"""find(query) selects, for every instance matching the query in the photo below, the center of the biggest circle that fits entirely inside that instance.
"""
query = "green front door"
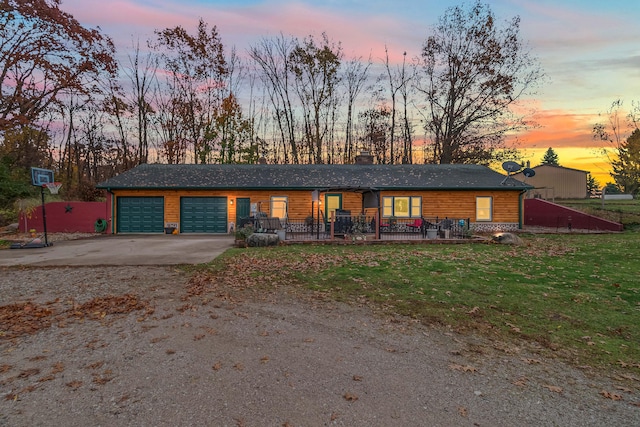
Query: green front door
(203, 215)
(243, 209)
(140, 215)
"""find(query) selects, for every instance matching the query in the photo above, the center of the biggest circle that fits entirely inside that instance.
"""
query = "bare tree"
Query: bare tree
(142, 74)
(198, 68)
(398, 81)
(273, 57)
(118, 111)
(169, 127)
(474, 71)
(355, 76)
(315, 69)
(375, 124)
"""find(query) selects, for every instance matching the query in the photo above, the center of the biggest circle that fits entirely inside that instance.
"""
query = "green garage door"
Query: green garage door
(140, 215)
(203, 215)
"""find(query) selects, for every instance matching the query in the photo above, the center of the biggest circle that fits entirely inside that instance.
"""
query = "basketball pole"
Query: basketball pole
(44, 216)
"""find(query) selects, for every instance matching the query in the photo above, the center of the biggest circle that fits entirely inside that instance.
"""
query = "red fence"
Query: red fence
(541, 213)
(66, 217)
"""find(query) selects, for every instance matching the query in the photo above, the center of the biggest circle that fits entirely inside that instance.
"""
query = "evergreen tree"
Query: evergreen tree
(626, 168)
(592, 185)
(550, 158)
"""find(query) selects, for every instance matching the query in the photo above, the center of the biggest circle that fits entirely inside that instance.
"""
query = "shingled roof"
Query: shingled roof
(312, 177)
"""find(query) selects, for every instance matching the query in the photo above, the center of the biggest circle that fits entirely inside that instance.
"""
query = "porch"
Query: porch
(365, 228)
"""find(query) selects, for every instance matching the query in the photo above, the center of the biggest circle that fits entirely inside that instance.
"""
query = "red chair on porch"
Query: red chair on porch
(416, 224)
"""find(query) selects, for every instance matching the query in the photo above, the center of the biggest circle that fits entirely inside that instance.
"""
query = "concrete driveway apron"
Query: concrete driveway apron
(164, 249)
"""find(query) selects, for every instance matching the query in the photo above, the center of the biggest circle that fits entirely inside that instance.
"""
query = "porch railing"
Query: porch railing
(363, 227)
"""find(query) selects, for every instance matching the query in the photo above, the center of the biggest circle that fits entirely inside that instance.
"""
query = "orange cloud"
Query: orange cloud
(558, 128)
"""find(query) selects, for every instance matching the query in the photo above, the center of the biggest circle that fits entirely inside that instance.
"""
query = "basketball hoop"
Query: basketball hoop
(53, 186)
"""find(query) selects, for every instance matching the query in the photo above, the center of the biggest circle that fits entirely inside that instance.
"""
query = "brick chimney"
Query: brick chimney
(364, 158)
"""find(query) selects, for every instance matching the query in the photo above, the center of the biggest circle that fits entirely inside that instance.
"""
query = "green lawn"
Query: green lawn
(573, 296)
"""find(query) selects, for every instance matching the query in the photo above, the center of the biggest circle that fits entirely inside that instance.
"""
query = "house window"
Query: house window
(484, 208)
(402, 207)
(332, 202)
(278, 208)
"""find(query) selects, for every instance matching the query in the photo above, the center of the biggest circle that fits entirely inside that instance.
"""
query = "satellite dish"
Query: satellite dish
(528, 172)
(511, 167)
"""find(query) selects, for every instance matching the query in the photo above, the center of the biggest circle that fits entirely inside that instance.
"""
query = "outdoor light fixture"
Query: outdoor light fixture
(231, 202)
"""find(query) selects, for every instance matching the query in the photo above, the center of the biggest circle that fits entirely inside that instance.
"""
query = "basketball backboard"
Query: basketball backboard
(39, 176)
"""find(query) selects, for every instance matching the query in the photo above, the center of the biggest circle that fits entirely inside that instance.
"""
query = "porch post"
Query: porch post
(332, 222)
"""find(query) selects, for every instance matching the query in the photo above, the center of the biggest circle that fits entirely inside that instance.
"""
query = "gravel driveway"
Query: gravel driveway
(135, 346)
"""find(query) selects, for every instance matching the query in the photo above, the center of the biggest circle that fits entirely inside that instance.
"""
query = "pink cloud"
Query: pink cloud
(359, 35)
(126, 14)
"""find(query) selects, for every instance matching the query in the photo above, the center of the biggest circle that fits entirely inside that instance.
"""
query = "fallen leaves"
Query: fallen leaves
(23, 319)
(553, 388)
(104, 378)
(624, 389)
(513, 327)
(350, 397)
(95, 365)
(16, 396)
(28, 317)
(609, 395)
(521, 382)
(74, 384)
(209, 330)
(475, 310)
(629, 377)
(461, 368)
(99, 307)
(28, 373)
(628, 365)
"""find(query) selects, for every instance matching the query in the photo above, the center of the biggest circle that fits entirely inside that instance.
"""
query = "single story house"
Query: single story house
(556, 182)
(214, 198)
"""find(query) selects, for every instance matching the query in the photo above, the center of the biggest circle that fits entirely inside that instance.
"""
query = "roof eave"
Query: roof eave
(322, 189)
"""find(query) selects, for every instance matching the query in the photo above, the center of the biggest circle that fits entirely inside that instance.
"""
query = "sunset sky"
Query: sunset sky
(589, 49)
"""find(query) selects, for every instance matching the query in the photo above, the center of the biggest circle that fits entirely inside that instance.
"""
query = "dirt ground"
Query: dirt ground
(138, 346)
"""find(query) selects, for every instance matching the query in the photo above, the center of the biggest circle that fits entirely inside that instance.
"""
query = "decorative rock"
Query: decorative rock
(506, 239)
(262, 239)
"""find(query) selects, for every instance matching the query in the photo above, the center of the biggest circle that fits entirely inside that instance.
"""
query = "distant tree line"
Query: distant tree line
(185, 97)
